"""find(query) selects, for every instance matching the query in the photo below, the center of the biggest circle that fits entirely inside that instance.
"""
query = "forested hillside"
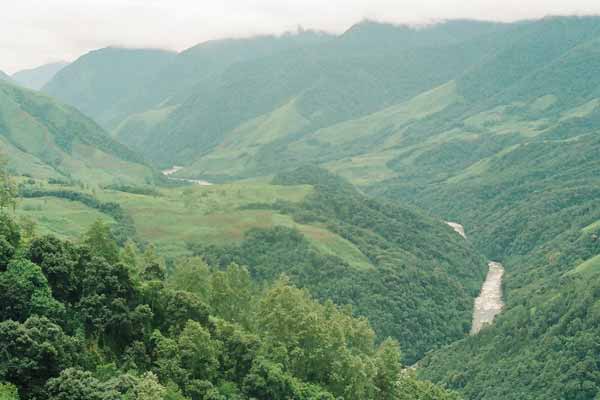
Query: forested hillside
(412, 276)
(534, 208)
(418, 279)
(46, 139)
(90, 320)
(214, 92)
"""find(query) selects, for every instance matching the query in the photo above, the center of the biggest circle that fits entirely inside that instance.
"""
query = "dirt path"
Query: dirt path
(489, 303)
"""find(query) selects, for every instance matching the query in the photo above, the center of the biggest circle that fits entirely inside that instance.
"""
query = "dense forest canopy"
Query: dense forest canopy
(94, 321)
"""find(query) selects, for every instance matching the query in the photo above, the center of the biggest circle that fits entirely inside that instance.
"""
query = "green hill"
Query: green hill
(514, 158)
(98, 81)
(209, 92)
(36, 78)
(45, 139)
(534, 208)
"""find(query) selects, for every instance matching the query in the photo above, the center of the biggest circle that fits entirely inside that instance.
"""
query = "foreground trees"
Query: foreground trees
(91, 322)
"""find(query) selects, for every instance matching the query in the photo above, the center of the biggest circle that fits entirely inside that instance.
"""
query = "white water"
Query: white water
(489, 303)
(175, 168)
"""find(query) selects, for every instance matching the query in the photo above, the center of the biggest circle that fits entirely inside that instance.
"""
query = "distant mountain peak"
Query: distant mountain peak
(36, 78)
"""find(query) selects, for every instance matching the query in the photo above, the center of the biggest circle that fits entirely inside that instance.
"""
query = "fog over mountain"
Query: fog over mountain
(65, 29)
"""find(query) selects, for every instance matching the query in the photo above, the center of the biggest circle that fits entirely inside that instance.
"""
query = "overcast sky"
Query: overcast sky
(34, 32)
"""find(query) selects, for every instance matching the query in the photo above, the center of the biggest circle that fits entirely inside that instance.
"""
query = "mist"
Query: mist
(34, 32)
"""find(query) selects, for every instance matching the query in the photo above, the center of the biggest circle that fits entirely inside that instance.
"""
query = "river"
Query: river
(489, 302)
(175, 168)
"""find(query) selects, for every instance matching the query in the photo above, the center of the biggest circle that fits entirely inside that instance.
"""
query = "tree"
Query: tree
(199, 353)
(24, 291)
(191, 275)
(231, 295)
(148, 388)
(153, 266)
(8, 189)
(58, 261)
(409, 388)
(7, 251)
(101, 242)
(28, 227)
(177, 307)
(10, 230)
(33, 352)
(75, 384)
(8, 392)
(167, 360)
(130, 256)
(387, 361)
(107, 299)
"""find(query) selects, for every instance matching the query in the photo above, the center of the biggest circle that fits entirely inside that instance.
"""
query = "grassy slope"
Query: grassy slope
(204, 214)
(44, 138)
(63, 218)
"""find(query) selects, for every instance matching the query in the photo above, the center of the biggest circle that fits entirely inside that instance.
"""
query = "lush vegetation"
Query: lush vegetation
(420, 280)
(46, 139)
(94, 321)
(218, 88)
(519, 170)
(490, 125)
(412, 276)
(123, 230)
(98, 81)
(543, 225)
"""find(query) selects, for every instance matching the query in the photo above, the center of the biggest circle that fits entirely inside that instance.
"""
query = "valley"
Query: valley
(282, 217)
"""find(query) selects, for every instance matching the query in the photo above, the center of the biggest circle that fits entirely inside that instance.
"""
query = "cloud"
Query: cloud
(33, 32)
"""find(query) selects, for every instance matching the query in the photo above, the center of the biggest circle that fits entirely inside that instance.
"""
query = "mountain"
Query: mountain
(494, 126)
(36, 78)
(167, 78)
(96, 82)
(199, 100)
(534, 208)
(4, 77)
(514, 158)
(46, 139)
(309, 88)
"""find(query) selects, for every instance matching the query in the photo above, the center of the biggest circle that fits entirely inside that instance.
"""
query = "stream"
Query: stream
(175, 168)
(489, 302)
